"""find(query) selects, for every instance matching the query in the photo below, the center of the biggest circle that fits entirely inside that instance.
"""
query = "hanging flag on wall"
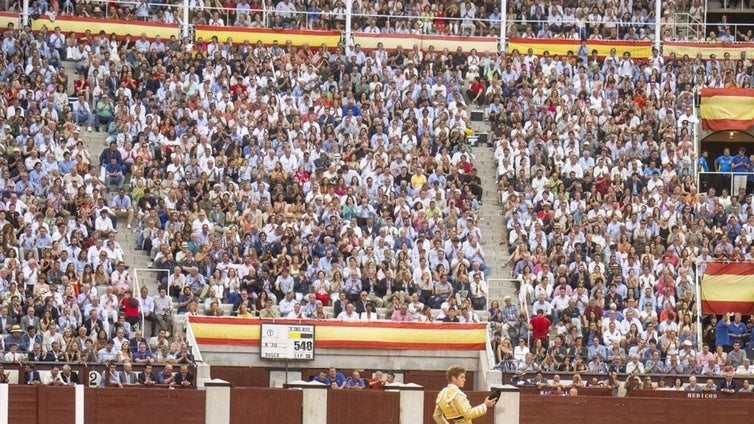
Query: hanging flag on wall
(725, 109)
(728, 287)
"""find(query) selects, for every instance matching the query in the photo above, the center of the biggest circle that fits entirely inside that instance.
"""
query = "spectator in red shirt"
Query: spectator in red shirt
(130, 308)
(476, 91)
(540, 327)
(81, 86)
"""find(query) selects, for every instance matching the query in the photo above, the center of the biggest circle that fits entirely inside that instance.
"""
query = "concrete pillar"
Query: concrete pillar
(79, 414)
(314, 402)
(411, 401)
(279, 379)
(507, 408)
(217, 409)
(202, 374)
(3, 404)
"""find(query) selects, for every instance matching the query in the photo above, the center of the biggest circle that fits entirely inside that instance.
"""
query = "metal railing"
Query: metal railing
(137, 287)
(688, 26)
(734, 182)
(727, 33)
(684, 26)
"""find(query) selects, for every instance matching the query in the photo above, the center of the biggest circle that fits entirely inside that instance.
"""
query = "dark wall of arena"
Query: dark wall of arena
(265, 406)
(592, 410)
(40, 404)
(44, 404)
(352, 406)
(242, 376)
(121, 405)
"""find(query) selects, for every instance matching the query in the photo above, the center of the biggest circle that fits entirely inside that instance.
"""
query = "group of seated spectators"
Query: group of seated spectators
(622, 20)
(114, 375)
(338, 381)
(65, 291)
(284, 180)
(564, 385)
(269, 174)
(606, 227)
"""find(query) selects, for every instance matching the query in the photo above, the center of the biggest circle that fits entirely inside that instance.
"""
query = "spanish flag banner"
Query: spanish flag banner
(391, 42)
(726, 109)
(8, 18)
(561, 47)
(79, 25)
(728, 287)
(231, 331)
(705, 49)
(238, 35)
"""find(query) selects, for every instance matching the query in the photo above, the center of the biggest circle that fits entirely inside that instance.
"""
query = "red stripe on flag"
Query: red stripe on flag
(729, 268)
(725, 124)
(724, 307)
(226, 341)
(709, 92)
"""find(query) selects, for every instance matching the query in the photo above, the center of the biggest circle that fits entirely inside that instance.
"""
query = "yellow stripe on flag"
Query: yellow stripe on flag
(728, 107)
(79, 25)
(694, 49)
(637, 49)
(244, 331)
(400, 335)
(728, 287)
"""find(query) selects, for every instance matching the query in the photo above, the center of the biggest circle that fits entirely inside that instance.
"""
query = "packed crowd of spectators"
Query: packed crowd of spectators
(606, 228)
(624, 20)
(64, 287)
(284, 181)
(297, 182)
(260, 176)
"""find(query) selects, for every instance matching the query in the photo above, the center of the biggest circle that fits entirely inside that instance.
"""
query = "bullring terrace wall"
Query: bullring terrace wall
(232, 342)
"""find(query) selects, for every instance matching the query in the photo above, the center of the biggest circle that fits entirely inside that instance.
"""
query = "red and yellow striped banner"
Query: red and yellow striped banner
(692, 49)
(725, 109)
(8, 18)
(390, 42)
(79, 25)
(231, 331)
(638, 49)
(728, 287)
(267, 36)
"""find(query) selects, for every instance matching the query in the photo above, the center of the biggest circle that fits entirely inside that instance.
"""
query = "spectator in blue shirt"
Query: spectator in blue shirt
(724, 162)
(122, 206)
(721, 335)
(335, 379)
(736, 331)
(702, 162)
(355, 381)
(108, 154)
(740, 163)
(66, 165)
(114, 174)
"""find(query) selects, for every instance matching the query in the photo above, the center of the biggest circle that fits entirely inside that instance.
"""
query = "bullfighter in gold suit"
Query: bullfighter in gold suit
(452, 406)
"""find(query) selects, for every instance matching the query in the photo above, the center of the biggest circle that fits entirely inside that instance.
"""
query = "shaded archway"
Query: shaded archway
(714, 143)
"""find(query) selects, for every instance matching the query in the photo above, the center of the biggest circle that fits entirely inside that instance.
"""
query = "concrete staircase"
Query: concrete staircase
(490, 221)
(134, 259)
